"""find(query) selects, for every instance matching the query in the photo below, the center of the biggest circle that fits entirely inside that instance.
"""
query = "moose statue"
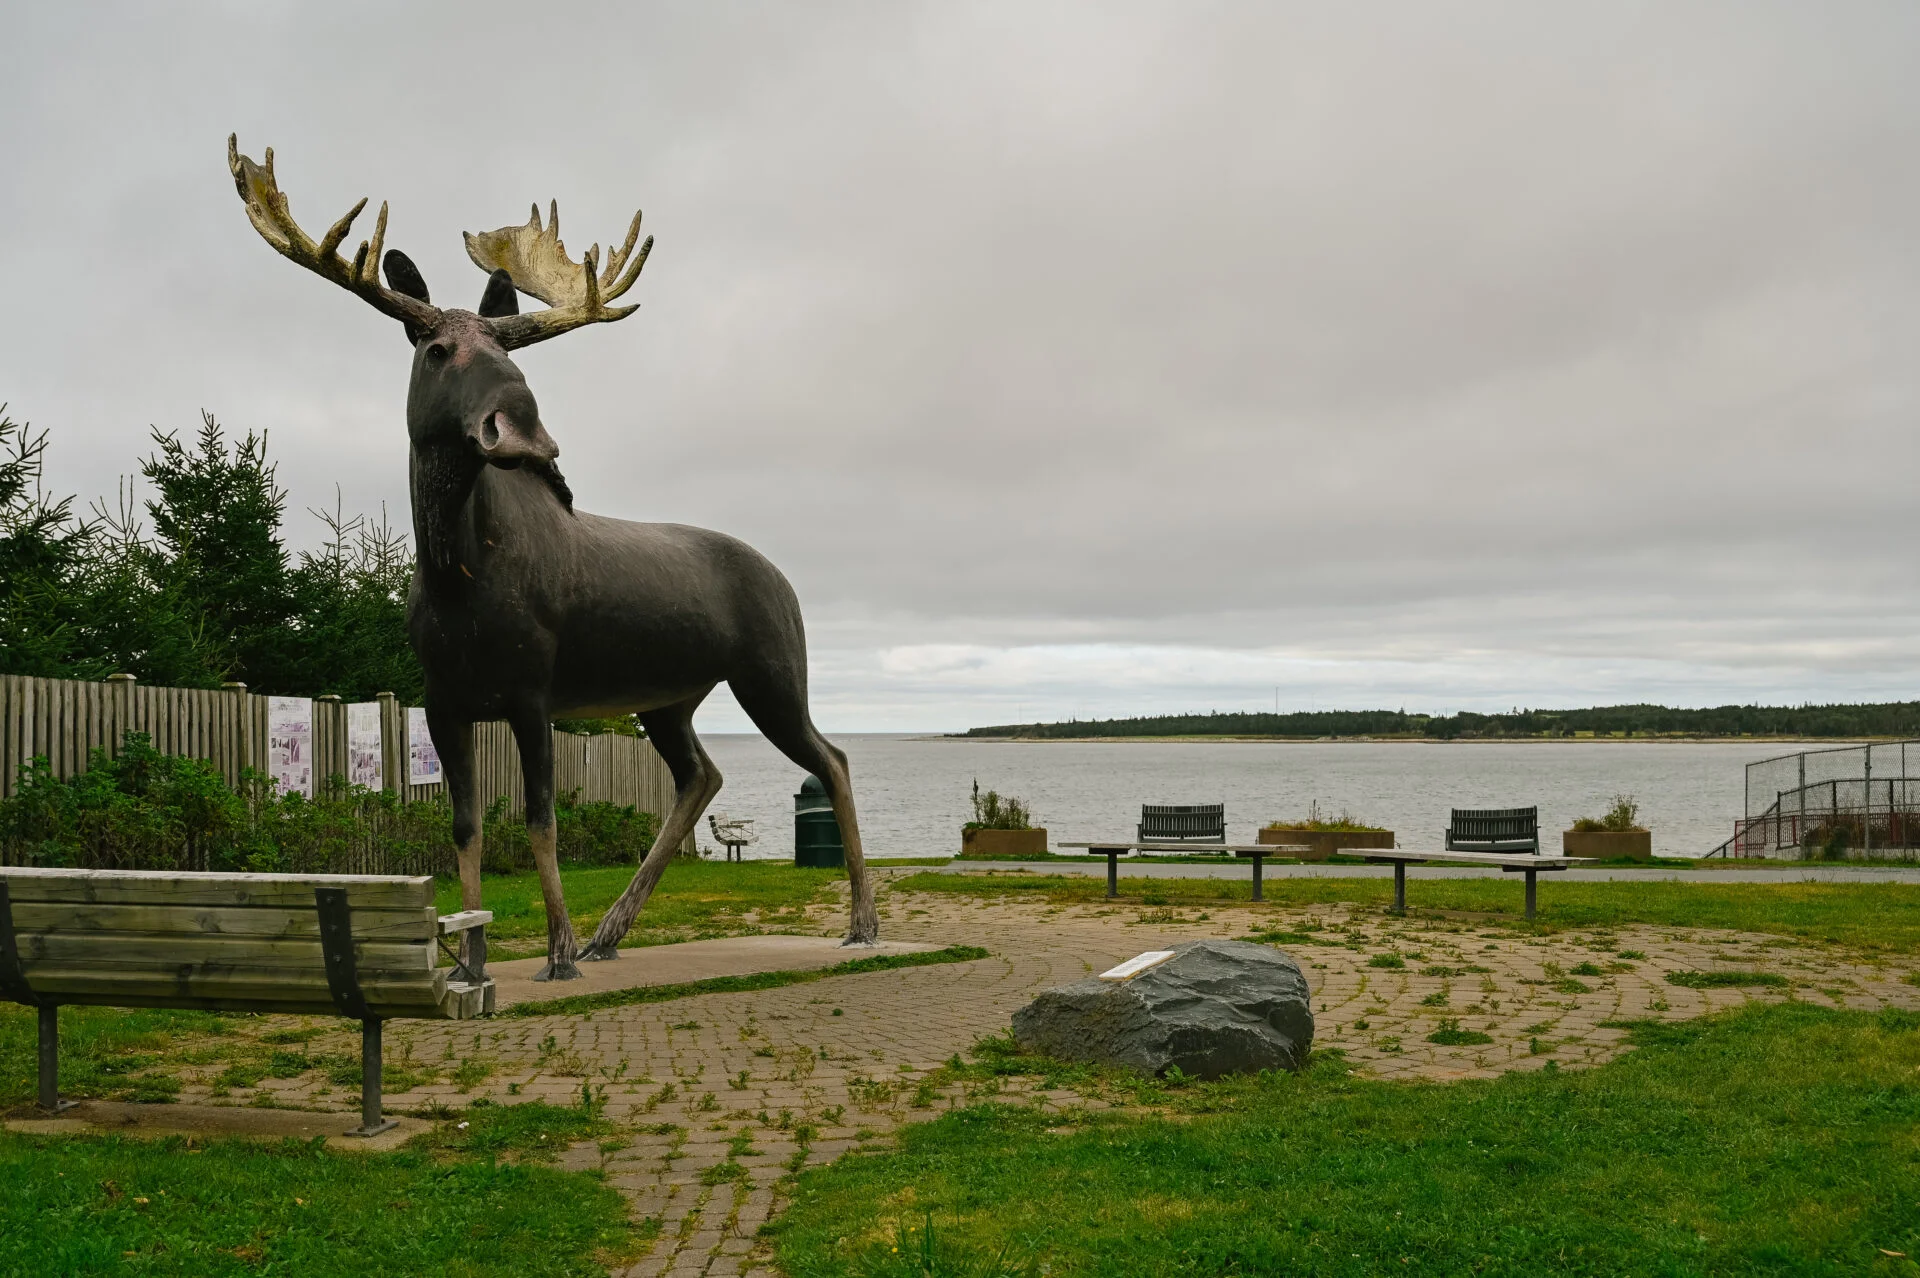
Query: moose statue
(525, 609)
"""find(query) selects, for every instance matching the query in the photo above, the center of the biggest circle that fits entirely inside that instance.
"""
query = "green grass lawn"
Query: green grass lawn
(695, 900)
(1778, 1139)
(1868, 916)
(467, 1202)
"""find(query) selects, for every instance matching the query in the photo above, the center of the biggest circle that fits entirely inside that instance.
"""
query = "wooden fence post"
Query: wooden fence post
(393, 744)
(242, 735)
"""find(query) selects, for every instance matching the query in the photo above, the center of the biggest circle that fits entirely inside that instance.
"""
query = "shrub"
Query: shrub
(1346, 822)
(991, 812)
(1622, 818)
(146, 810)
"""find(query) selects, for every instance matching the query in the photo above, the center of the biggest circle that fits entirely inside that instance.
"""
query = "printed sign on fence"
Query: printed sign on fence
(363, 744)
(423, 761)
(290, 744)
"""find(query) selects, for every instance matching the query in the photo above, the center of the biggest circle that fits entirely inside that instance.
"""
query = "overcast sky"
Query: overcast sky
(1090, 360)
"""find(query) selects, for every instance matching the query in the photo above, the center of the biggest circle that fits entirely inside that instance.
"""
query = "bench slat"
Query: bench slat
(415, 923)
(128, 888)
(450, 923)
(165, 955)
(72, 983)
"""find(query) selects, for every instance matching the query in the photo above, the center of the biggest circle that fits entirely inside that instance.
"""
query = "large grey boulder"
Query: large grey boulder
(1214, 1008)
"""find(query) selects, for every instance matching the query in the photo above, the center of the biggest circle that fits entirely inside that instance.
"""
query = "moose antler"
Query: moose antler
(576, 293)
(267, 210)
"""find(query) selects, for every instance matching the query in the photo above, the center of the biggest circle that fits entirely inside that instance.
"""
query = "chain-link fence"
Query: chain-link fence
(1846, 801)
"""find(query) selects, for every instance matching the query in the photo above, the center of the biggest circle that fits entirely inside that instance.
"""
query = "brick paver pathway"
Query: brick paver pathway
(725, 1094)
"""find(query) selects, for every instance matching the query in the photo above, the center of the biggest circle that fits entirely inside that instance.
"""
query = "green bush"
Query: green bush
(1345, 823)
(1622, 818)
(146, 810)
(991, 812)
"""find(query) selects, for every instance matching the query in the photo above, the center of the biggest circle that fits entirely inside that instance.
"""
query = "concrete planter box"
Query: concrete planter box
(1607, 844)
(1324, 843)
(986, 843)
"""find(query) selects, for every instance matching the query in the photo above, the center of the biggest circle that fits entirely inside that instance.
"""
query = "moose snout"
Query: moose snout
(506, 440)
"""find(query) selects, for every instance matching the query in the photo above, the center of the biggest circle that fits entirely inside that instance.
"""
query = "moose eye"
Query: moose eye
(436, 352)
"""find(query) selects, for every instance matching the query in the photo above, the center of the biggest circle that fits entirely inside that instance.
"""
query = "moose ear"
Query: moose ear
(404, 277)
(500, 298)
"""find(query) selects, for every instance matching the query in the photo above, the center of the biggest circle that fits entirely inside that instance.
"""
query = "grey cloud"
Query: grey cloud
(1536, 347)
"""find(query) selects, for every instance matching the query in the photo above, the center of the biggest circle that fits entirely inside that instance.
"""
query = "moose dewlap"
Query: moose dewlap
(1214, 1008)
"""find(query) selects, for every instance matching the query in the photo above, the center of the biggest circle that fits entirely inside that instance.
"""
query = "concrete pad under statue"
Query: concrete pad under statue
(216, 1122)
(685, 962)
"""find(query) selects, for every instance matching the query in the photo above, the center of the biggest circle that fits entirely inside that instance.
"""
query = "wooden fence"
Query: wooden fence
(65, 720)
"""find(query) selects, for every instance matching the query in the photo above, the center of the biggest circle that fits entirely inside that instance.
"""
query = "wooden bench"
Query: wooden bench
(315, 944)
(1114, 851)
(1182, 822)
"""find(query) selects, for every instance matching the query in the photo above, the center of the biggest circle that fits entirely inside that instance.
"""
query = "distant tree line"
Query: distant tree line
(194, 586)
(1893, 719)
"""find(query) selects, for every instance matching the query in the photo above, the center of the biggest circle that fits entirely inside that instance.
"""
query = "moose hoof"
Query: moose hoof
(599, 953)
(557, 972)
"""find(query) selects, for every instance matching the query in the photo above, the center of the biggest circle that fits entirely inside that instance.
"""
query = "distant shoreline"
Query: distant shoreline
(1639, 739)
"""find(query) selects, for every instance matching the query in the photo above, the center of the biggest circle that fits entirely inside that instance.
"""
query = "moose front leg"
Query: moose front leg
(534, 734)
(453, 741)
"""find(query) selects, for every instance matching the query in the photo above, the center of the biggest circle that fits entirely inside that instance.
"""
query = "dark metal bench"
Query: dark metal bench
(1183, 823)
(1494, 830)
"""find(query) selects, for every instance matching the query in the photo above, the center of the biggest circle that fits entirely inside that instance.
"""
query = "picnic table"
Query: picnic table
(1527, 863)
(1258, 852)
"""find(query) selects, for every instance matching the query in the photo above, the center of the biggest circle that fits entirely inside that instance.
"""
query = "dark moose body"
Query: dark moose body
(525, 609)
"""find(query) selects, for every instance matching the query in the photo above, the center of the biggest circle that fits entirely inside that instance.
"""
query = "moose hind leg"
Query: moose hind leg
(695, 781)
(781, 715)
(534, 735)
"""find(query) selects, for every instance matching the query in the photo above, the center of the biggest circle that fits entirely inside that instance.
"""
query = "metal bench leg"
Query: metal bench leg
(1399, 887)
(1113, 875)
(1256, 877)
(50, 1060)
(1530, 878)
(371, 1122)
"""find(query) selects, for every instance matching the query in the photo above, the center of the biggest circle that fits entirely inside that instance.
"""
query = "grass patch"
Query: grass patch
(1451, 1035)
(739, 984)
(1771, 1139)
(1869, 916)
(531, 1132)
(1721, 980)
(1284, 938)
(695, 900)
(102, 1050)
(114, 1206)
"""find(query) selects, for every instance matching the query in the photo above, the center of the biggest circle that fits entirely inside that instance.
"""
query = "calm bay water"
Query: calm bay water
(913, 791)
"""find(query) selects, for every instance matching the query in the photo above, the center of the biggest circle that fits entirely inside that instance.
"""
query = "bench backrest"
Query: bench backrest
(1494, 830)
(226, 942)
(1181, 822)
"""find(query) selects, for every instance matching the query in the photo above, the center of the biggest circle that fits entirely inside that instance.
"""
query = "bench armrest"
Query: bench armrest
(451, 923)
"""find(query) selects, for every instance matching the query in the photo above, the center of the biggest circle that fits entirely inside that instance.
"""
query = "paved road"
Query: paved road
(1241, 870)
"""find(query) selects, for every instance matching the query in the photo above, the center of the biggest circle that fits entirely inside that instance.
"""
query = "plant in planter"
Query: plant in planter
(1001, 826)
(1323, 836)
(1617, 834)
